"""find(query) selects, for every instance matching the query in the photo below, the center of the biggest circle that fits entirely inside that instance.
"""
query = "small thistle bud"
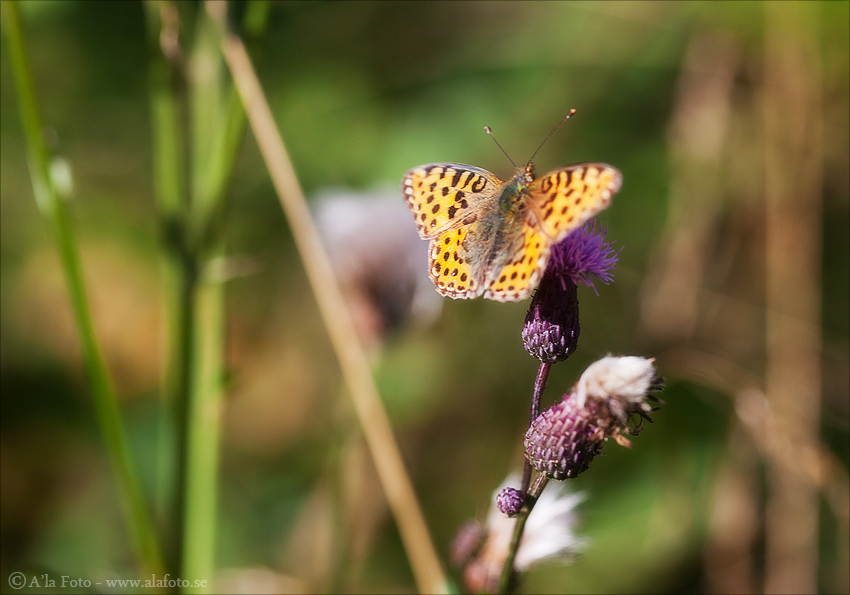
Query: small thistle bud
(510, 501)
(563, 440)
(550, 533)
(551, 328)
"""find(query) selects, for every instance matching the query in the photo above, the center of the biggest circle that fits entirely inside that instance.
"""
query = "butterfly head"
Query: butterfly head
(528, 174)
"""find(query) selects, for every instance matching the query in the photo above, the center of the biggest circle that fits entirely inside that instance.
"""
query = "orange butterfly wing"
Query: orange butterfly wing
(446, 200)
(443, 196)
(564, 199)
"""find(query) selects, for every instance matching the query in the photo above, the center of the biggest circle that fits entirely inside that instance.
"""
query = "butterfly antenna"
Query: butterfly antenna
(490, 132)
(567, 117)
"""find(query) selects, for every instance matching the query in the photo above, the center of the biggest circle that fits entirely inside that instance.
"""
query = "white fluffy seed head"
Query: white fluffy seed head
(628, 379)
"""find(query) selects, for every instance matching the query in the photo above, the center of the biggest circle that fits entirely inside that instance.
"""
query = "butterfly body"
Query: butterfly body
(492, 237)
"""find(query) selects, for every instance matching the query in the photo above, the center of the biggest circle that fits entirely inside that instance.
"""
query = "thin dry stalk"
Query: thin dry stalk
(793, 172)
(672, 298)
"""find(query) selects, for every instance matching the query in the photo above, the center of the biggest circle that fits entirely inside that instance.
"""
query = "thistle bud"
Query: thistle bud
(551, 328)
(510, 501)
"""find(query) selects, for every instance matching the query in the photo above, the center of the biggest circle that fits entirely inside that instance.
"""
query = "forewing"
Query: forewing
(444, 196)
(563, 199)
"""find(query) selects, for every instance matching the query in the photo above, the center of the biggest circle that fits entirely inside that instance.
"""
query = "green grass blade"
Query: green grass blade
(141, 530)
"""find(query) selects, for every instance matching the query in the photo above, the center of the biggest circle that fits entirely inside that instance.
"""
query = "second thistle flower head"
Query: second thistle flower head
(551, 328)
(563, 440)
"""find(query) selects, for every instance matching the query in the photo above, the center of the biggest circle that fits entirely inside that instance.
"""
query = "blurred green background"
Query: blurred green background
(671, 93)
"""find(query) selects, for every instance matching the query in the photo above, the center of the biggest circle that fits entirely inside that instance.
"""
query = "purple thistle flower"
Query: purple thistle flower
(563, 440)
(583, 255)
(551, 328)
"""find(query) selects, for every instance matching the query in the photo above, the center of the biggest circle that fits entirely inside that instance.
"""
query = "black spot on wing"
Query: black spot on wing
(456, 178)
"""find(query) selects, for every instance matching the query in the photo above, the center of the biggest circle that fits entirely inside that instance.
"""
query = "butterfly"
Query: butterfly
(492, 237)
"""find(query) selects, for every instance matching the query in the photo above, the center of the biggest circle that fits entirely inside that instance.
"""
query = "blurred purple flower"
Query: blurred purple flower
(379, 260)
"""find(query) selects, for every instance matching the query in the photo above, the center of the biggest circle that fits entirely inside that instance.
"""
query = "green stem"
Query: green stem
(200, 428)
(196, 143)
(531, 497)
(106, 407)
(203, 423)
(539, 386)
(167, 87)
(219, 127)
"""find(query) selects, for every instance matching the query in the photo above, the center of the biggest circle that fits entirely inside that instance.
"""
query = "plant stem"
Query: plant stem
(167, 87)
(531, 497)
(539, 386)
(534, 492)
(199, 124)
(142, 533)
